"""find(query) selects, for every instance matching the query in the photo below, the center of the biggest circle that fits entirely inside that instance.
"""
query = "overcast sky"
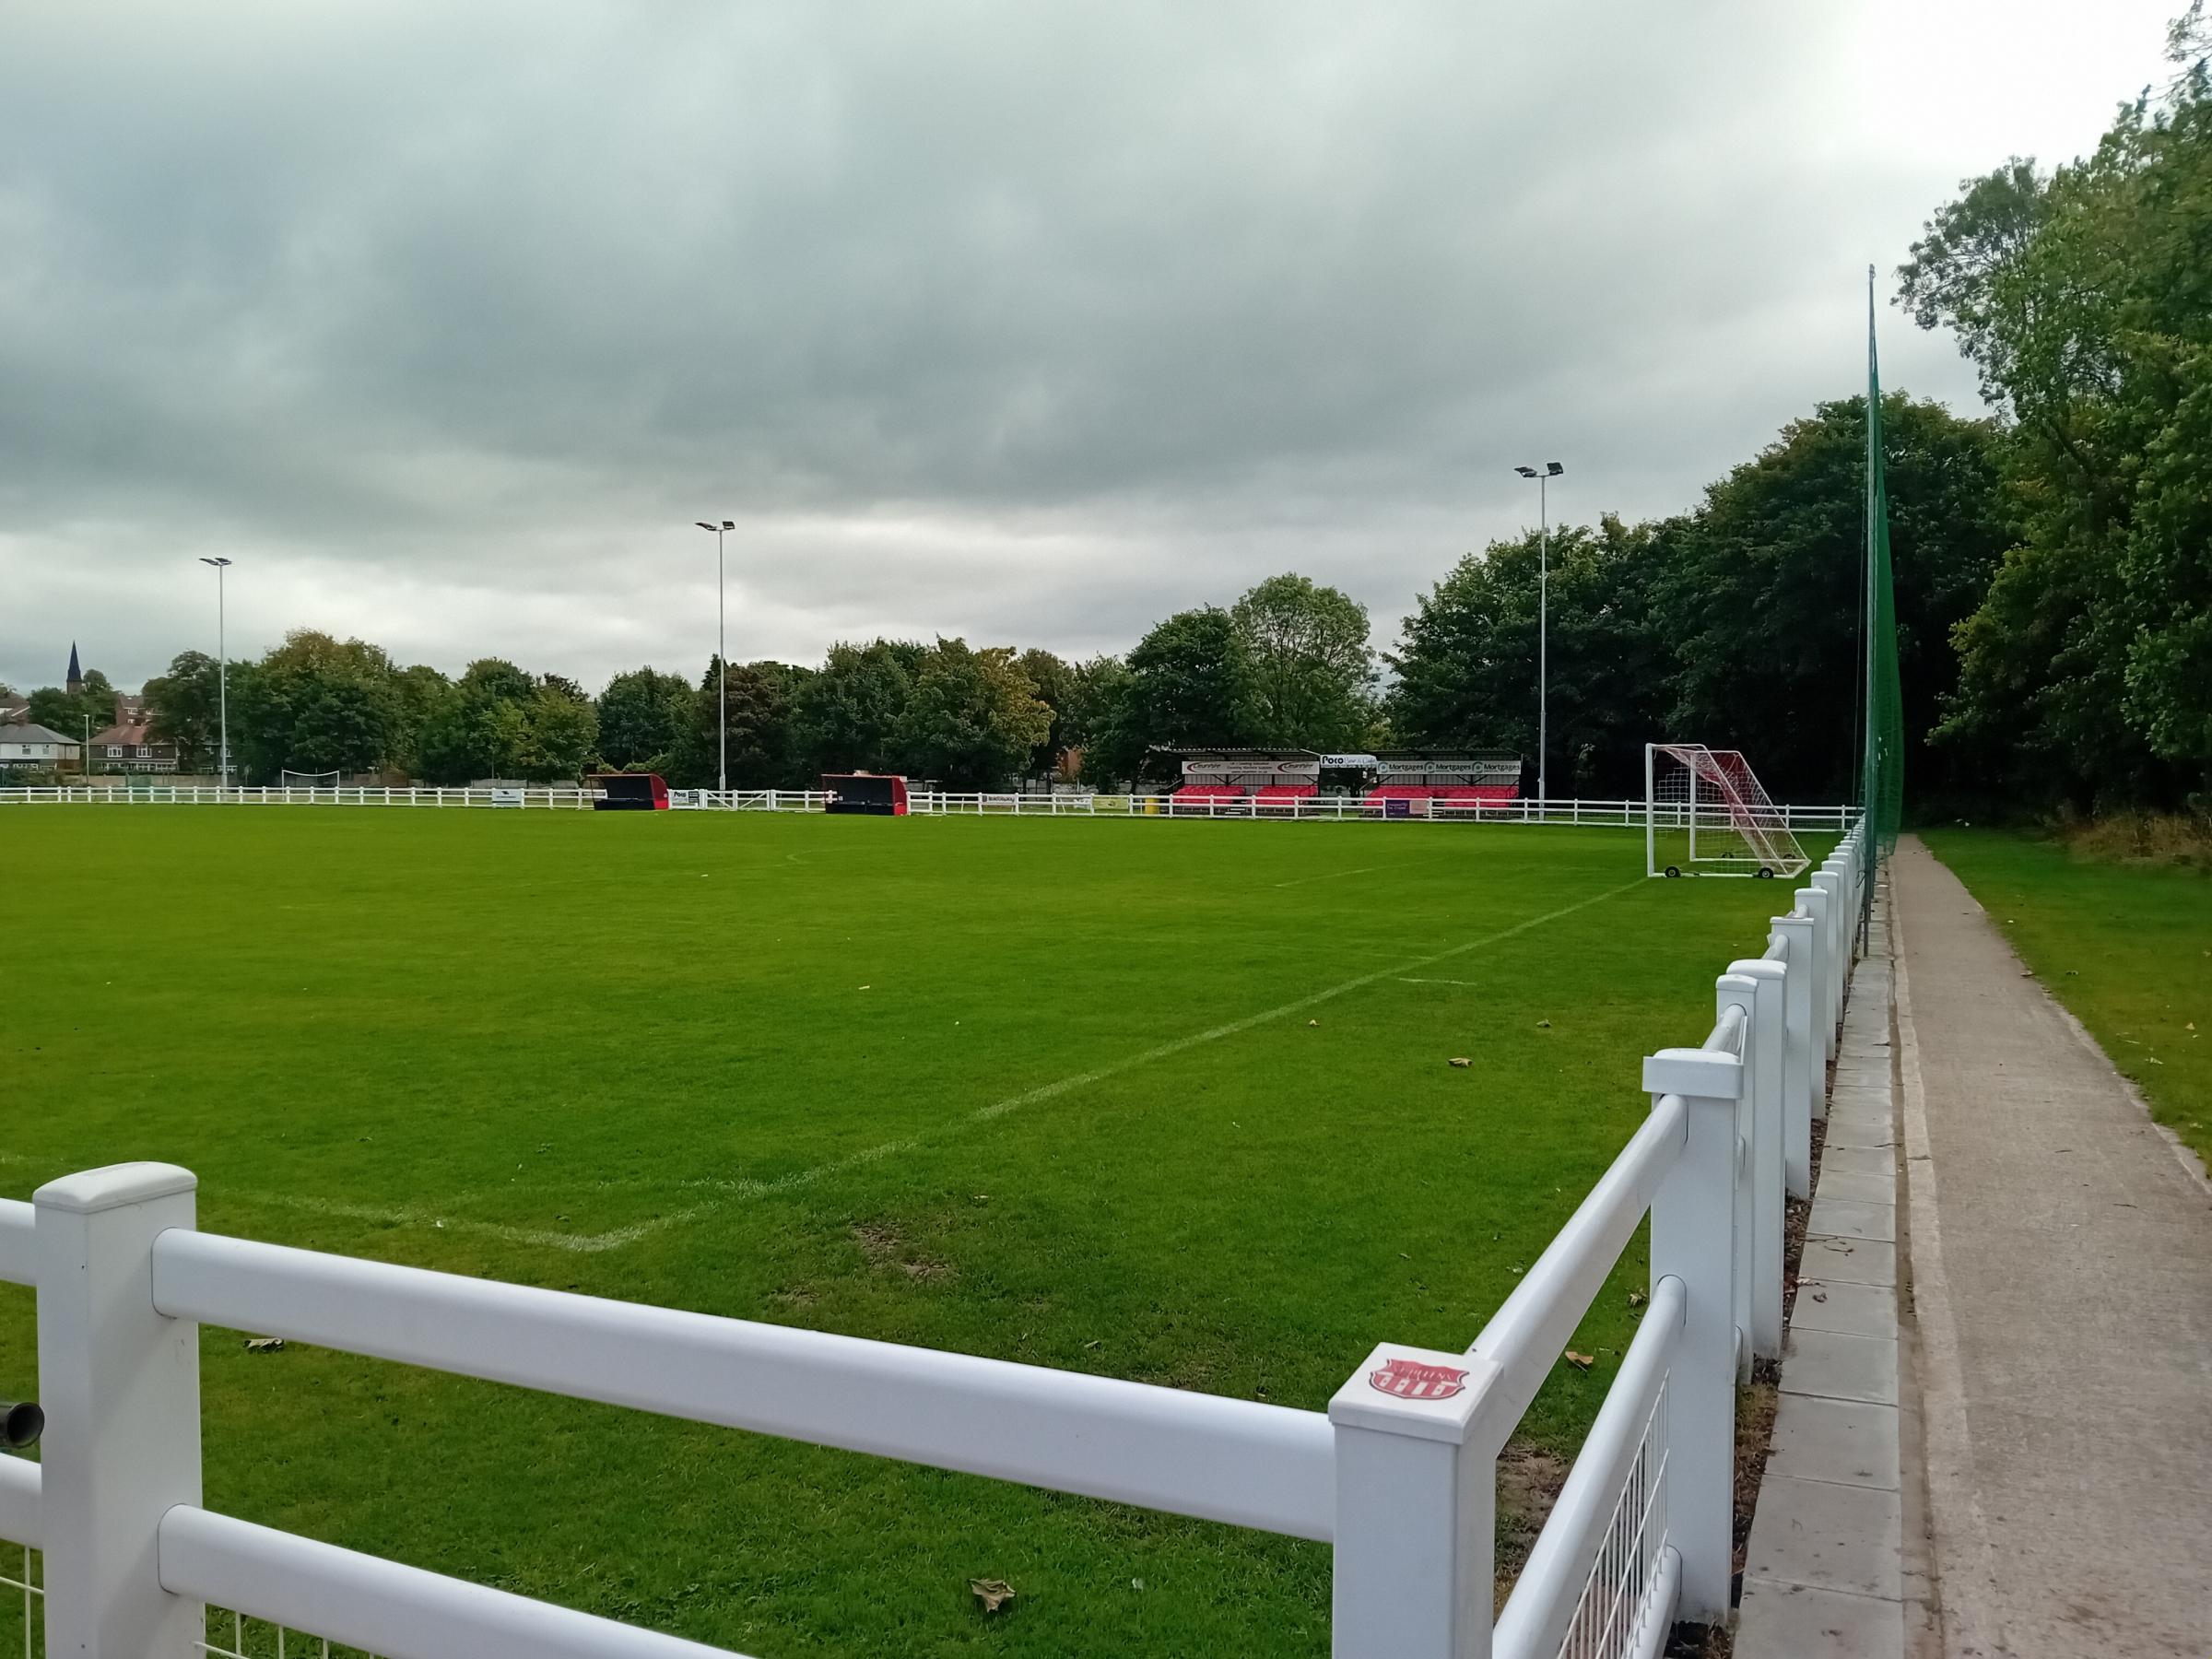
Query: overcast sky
(1030, 323)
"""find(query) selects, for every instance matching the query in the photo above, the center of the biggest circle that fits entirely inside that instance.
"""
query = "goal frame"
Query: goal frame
(335, 778)
(1724, 798)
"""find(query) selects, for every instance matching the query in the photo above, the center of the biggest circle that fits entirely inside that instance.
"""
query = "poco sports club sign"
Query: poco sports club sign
(1413, 1379)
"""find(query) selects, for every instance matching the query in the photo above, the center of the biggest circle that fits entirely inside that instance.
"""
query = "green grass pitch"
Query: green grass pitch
(1166, 1100)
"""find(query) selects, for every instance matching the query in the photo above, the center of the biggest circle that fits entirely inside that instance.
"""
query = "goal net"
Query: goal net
(1705, 813)
(300, 780)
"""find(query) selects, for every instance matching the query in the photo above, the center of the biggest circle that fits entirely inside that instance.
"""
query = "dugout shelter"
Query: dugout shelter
(628, 792)
(879, 795)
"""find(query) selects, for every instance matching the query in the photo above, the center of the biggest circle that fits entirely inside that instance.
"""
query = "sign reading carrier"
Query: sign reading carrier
(1425, 1393)
(1416, 1379)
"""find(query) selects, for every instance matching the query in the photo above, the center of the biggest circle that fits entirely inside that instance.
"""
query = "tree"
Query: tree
(481, 728)
(1761, 599)
(1312, 675)
(645, 717)
(74, 714)
(184, 707)
(972, 719)
(760, 736)
(844, 716)
(560, 732)
(1468, 669)
(314, 703)
(2085, 300)
(1189, 682)
(417, 692)
(1054, 681)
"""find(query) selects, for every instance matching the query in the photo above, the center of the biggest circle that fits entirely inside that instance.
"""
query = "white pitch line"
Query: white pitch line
(736, 1188)
(1328, 875)
(1402, 981)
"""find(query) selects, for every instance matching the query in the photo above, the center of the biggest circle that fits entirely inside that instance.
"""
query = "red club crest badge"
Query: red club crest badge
(1414, 1379)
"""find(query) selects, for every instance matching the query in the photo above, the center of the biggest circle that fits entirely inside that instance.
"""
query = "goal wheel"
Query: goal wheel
(1764, 874)
(1673, 871)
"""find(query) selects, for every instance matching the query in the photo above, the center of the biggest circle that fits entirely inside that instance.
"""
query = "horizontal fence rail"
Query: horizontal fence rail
(1399, 1475)
(1218, 1459)
(1595, 813)
(381, 1606)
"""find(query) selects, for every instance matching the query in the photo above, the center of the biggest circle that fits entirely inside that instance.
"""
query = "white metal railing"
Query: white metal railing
(1620, 815)
(1398, 1474)
(187, 794)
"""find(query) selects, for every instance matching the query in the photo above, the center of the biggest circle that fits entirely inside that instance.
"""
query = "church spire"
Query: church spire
(77, 679)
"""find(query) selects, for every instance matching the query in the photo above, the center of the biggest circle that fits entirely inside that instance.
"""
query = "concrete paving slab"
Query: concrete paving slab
(1855, 1309)
(1859, 1161)
(1840, 1366)
(1841, 1218)
(1794, 1621)
(1851, 1442)
(1860, 1131)
(1844, 1186)
(1853, 1261)
(1828, 1536)
(2062, 1274)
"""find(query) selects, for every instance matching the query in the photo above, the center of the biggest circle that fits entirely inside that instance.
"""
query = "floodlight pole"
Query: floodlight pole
(222, 654)
(1550, 470)
(721, 656)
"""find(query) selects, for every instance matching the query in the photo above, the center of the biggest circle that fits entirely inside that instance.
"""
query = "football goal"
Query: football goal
(300, 780)
(1706, 813)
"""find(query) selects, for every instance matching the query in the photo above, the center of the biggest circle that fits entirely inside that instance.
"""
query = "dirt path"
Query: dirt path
(2062, 1273)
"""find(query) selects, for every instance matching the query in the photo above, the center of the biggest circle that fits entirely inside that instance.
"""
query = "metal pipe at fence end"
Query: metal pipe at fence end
(22, 1423)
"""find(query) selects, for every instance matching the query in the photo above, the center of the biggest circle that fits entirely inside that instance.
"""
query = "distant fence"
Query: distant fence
(1620, 815)
(1398, 1473)
(1307, 809)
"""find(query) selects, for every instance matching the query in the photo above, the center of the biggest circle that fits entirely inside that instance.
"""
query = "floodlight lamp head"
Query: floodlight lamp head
(218, 563)
(729, 523)
(1526, 472)
(702, 523)
(1553, 469)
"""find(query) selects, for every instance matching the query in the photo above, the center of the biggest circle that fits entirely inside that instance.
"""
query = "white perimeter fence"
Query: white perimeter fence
(1622, 814)
(1398, 1474)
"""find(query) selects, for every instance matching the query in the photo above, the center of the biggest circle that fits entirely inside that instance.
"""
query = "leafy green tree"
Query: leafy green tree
(844, 717)
(1189, 682)
(1467, 663)
(645, 717)
(314, 703)
(1763, 597)
(74, 714)
(560, 732)
(184, 707)
(761, 752)
(482, 728)
(1312, 674)
(972, 719)
(417, 692)
(2085, 300)
(1054, 682)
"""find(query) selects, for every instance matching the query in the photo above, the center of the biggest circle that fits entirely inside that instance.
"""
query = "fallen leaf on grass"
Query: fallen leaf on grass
(994, 1594)
(1580, 1362)
(1313, 1022)
(264, 1344)
(1543, 1025)
(1460, 1059)
(1637, 1299)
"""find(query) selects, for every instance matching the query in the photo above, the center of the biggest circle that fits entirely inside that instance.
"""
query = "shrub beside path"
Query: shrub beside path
(2061, 1275)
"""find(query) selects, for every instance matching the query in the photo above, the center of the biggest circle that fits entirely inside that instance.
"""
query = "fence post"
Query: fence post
(1416, 1500)
(1763, 1093)
(1803, 1098)
(1693, 1220)
(1834, 920)
(121, 1386)
(1818, 899)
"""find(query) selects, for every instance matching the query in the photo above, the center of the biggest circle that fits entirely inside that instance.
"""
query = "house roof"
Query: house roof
(132, 735)
(26, 733)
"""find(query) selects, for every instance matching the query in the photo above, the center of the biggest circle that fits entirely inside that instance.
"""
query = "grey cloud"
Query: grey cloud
(1028, 323)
